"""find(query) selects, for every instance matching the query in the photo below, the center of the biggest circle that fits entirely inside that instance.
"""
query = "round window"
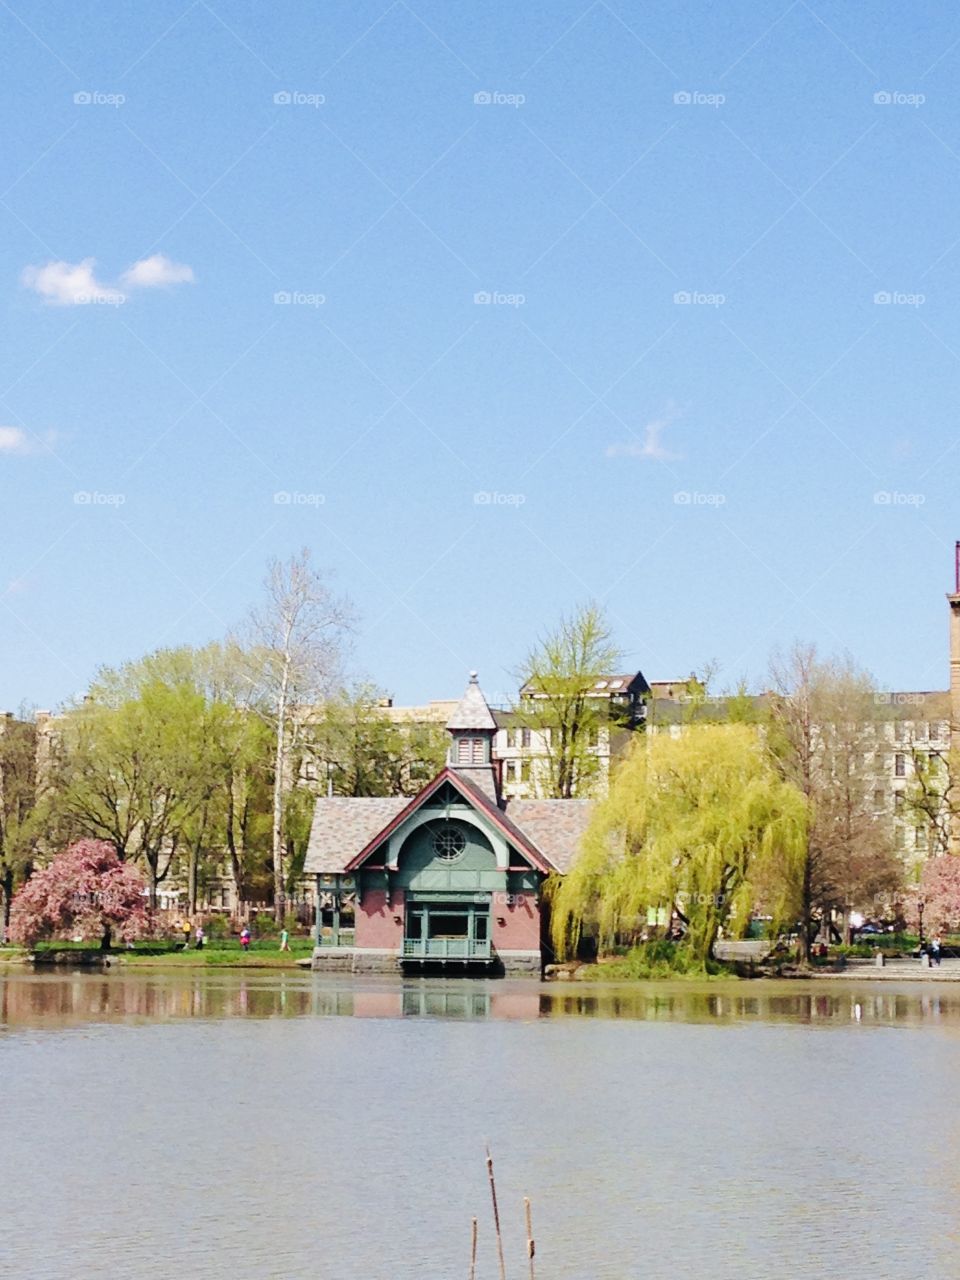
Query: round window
(449, 843)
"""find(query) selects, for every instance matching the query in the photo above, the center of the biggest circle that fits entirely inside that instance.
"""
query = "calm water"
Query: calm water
(245, 1126)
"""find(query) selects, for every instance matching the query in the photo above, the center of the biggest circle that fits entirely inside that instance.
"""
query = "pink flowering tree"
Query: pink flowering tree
(939, 891)
(85, 890)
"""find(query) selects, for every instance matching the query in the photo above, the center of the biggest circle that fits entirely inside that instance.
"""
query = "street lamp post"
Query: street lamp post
(920, 905)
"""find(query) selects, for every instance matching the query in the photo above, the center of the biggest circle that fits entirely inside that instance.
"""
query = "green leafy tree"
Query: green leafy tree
(19, 823)
(132, 770)
(362, 751)
(699, 825)
(168, 759)
(559, 700)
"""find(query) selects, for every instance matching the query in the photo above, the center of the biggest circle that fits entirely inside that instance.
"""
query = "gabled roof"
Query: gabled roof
(343, 824)
(473, 795)
(555, 826)
(604, 686)
(472, 711)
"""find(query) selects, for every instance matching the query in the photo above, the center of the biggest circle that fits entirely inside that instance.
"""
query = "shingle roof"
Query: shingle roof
(472, 711)
(343, 825)
(556, 827)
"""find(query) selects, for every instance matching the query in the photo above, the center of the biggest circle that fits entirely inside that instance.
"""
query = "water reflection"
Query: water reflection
(58, 1000)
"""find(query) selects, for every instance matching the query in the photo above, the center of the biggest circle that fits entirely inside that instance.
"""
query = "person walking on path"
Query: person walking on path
(245, 938)
(284, 940)
(199, 937)
(935, 950)
(185, 927)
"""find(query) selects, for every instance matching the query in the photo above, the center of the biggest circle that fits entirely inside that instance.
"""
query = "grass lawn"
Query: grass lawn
(213, 958)
(264, 953)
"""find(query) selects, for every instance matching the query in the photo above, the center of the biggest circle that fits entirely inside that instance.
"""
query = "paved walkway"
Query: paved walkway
(906, 970)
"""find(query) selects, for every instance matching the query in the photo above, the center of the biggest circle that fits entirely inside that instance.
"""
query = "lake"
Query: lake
(243, 1125)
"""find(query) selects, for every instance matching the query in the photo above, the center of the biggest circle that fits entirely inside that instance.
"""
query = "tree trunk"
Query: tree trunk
(806, 921)
(236, 864)
(192, 860)
(279, 767)
(6, 886)
(154, 865)
(105, 938)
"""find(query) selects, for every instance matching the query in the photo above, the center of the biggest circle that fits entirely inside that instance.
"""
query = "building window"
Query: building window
(920, 731)
(878, 799)
(524, 770)
(449, 843)
(901, 731)
(511, 737)
(525, 737)
(920, 838)
(898, 802)
(470, 751)
(900, 765)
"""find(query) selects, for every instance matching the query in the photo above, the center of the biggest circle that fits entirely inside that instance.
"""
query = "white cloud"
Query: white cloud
(75, 284)
(17, 441)
(155, 272)
(68, 284)
(14, 440)
(650, 446)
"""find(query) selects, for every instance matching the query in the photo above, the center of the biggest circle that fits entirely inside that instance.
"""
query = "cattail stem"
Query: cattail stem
(473, 1248)
(531, 1246)
(496, 1215)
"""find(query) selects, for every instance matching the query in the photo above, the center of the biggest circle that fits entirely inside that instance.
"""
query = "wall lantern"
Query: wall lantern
(397, 919)
(501, 921)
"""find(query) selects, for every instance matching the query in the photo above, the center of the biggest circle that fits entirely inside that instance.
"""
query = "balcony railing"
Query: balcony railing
(447, 949)
(344, 938)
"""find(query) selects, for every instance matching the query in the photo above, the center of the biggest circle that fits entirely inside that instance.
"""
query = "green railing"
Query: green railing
(446, 949)
(343, 938)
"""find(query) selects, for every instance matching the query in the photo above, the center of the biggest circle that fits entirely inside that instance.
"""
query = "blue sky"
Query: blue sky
(686, 396)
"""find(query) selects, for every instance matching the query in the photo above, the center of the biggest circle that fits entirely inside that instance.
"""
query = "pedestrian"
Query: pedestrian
(935, 950)
(199, 937)
(284, 940)
(185, 928)
(245, 938)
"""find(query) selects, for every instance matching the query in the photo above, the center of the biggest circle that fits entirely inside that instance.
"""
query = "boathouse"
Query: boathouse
(451, 878)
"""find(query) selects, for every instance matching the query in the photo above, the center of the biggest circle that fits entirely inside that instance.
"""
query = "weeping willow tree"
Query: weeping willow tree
(701, 826)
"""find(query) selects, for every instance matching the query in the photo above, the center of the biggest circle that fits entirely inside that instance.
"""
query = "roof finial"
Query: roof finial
(473, 677)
